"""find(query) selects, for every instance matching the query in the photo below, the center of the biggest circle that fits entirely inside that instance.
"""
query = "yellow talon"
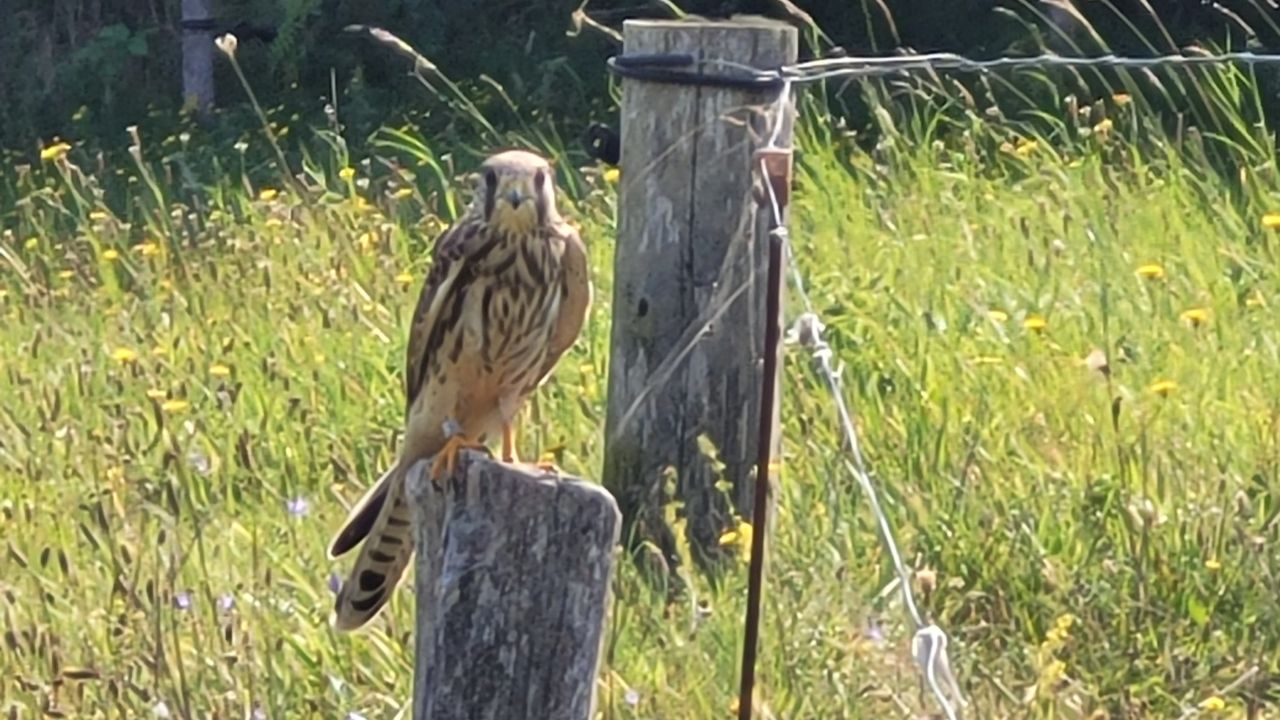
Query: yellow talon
(509, 444)
(446, 461)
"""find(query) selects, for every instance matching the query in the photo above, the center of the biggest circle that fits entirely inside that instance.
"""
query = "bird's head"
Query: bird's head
(517, 191)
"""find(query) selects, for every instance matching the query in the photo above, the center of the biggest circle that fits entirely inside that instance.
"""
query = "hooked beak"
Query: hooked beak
(515, 197)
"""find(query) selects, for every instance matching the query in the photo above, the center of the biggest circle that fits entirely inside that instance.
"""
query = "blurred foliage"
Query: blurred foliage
(90, 68)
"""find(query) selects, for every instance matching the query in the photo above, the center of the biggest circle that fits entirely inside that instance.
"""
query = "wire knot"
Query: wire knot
(929, 646)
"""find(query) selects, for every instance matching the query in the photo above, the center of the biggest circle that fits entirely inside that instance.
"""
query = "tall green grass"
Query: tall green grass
(1057, 327)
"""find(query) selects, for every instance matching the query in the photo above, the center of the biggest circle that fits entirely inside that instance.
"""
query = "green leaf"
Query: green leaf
(1197, 610)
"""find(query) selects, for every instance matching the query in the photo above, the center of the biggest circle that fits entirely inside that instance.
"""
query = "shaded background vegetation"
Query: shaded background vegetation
(90, 68)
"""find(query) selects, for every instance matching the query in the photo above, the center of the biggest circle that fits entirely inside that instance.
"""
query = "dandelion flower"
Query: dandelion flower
(1213, 565)
(1213, 703)
(611, 175)
(1150, 271)
(65, 274)
(1195, 317)
(110, 254)
(1271, 221)
(999, 316)
(268, 194)
(1104, 126)
(174, 406)
(404, 278)
(32, 243)
(347, 173)
(1026, 147)
(124, 355)
(57, 151)
(1035, 323)
(220, 371)
(1163, 387)
(155, 394)
(147, 249)
(740, 537)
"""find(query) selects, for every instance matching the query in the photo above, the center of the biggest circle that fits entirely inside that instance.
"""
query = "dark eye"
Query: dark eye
(538, 179)
(490, 179)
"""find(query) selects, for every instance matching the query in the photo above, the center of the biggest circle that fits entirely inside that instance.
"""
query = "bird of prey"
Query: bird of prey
(507, 294)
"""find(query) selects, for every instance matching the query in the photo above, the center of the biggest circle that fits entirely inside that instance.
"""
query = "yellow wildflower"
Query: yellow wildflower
(1271, 221)
(57, 151)
(174, 406)
(740, 536)
(274, 223)
(65, 274)
(147, 249)
(97, 216)
(31, 243)
(1104, 127)
(404, 278)
(402, 193)
(1121, 99)
(1163, 387)
(1195, 317)
(347, 173)
(1213, 565)
(998, 315)
(124, 355)
(1151, 271)
(110, 254)
(220, 371)
(1026, 147)
(1213, 703)
(1035, 323)
(155, 394)
(268, 194)
(1255, 300)
(611, 175)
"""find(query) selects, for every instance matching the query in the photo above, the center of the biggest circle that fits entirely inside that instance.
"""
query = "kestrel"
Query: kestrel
(506, 296)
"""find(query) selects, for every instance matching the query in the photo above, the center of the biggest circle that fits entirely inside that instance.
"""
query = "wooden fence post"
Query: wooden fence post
(197, 54)
(512, 582)
(689, 282)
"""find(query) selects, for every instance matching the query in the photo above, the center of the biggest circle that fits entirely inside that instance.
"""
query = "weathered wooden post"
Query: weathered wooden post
(197, 54)
(512, 585)
(689, 280)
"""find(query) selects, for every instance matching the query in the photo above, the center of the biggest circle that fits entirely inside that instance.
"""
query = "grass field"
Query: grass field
(1062, 346)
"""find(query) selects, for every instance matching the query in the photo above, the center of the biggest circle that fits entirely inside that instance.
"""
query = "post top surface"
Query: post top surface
(743, 22)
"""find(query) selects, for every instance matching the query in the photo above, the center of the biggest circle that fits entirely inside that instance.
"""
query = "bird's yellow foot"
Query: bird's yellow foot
(509, 444)
(446, 460)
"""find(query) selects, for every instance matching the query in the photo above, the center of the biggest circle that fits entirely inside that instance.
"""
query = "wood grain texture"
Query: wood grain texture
(513, 583)
(689, 283)
(197, 57)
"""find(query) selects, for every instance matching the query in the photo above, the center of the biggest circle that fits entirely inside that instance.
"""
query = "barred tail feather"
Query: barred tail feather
(362, 516)
(387, 549)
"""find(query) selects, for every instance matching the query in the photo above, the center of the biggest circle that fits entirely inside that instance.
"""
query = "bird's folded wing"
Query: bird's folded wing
(575, 299)
(452, 267)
